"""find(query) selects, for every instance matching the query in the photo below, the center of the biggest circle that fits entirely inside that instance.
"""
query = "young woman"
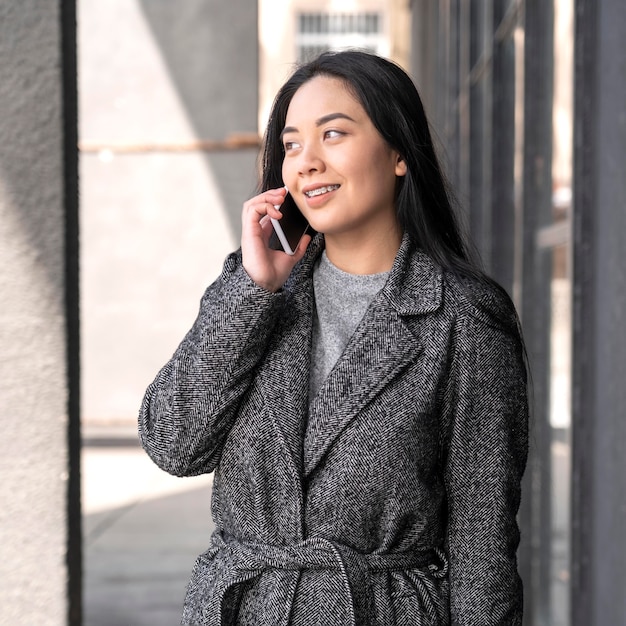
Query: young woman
(361, 403)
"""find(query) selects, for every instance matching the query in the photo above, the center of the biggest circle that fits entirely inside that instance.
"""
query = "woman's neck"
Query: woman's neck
(373, 253)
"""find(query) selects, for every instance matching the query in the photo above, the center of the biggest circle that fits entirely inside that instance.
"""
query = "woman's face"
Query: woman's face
(338, 168)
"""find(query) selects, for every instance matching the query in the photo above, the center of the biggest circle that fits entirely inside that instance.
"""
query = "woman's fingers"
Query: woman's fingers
(268, 268)
(264, 208)
(265, 204)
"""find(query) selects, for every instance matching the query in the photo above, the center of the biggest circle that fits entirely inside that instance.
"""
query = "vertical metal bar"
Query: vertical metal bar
(478, 93)
(599, 339)
(583, 359)
(452, 136)
(424, 53)
(537, 267)
(443, 69)
(443, 118)
(503, 151)
(464, 37)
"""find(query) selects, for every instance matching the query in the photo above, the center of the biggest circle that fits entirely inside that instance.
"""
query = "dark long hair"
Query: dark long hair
(424, 202)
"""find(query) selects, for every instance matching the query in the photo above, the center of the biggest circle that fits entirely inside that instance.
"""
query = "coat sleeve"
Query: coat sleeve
(189, 408)
(485, 461)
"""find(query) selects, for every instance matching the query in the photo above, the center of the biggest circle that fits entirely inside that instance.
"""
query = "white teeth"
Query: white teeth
(320, 190)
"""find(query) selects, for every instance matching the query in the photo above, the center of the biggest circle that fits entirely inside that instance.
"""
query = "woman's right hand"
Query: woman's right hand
(268, 268)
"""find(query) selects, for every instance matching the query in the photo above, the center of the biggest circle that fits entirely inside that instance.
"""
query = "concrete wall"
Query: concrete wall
(34, 389)
(158, 215)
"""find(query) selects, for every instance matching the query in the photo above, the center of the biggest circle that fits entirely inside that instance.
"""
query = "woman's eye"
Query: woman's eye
(290, 145)
(332, 134)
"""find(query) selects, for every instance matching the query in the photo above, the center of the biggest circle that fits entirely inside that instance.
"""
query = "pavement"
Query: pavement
(142, 531)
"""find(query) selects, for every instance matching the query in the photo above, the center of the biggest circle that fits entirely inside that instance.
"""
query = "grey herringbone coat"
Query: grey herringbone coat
(393, 499)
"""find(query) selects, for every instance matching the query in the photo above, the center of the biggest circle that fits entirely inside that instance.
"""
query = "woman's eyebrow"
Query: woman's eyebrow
(332, 116)
(319, 122)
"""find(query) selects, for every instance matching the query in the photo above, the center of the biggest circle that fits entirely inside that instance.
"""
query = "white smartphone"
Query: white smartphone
(290, 228)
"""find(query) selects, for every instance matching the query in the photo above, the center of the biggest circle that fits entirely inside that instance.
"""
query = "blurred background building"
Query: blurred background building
(526, 103)
(166, 103)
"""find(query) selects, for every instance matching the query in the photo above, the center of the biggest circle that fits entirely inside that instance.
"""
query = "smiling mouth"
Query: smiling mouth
(320, 191)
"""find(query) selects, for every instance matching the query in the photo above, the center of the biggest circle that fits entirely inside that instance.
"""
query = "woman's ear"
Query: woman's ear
(401, 168)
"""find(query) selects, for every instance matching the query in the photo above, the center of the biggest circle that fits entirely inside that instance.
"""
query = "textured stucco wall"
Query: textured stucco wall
(33, 387)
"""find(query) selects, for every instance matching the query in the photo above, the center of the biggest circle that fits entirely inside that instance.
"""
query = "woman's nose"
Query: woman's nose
(310, 161)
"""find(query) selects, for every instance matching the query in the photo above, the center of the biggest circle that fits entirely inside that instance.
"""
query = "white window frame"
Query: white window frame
(336, 31)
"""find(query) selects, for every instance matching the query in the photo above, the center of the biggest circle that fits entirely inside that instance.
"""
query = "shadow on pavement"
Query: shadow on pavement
(138, 558)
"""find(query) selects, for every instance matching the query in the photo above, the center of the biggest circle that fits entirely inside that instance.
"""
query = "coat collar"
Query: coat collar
(415, 282)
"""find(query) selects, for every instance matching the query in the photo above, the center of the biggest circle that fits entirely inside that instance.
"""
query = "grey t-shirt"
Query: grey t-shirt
(341, 300)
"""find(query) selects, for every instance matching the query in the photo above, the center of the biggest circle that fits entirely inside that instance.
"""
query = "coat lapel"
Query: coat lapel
(378, 351)
(285, 375)
(381, 347)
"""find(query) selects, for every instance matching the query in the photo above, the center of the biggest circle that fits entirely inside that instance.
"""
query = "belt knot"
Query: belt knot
(317, 553)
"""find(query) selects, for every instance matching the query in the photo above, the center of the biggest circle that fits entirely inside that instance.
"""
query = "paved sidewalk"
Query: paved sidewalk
(142, 529)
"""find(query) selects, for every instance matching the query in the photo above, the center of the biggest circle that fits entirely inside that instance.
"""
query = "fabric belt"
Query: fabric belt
(317, 553)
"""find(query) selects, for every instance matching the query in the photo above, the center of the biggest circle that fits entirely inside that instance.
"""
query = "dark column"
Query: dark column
(535, 310)
(74, 554)
(453, 89)
(480, 124)
(424, 28)
(503, 146)
(599, 342)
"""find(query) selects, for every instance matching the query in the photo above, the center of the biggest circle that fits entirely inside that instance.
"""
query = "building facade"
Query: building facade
(528, 101)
